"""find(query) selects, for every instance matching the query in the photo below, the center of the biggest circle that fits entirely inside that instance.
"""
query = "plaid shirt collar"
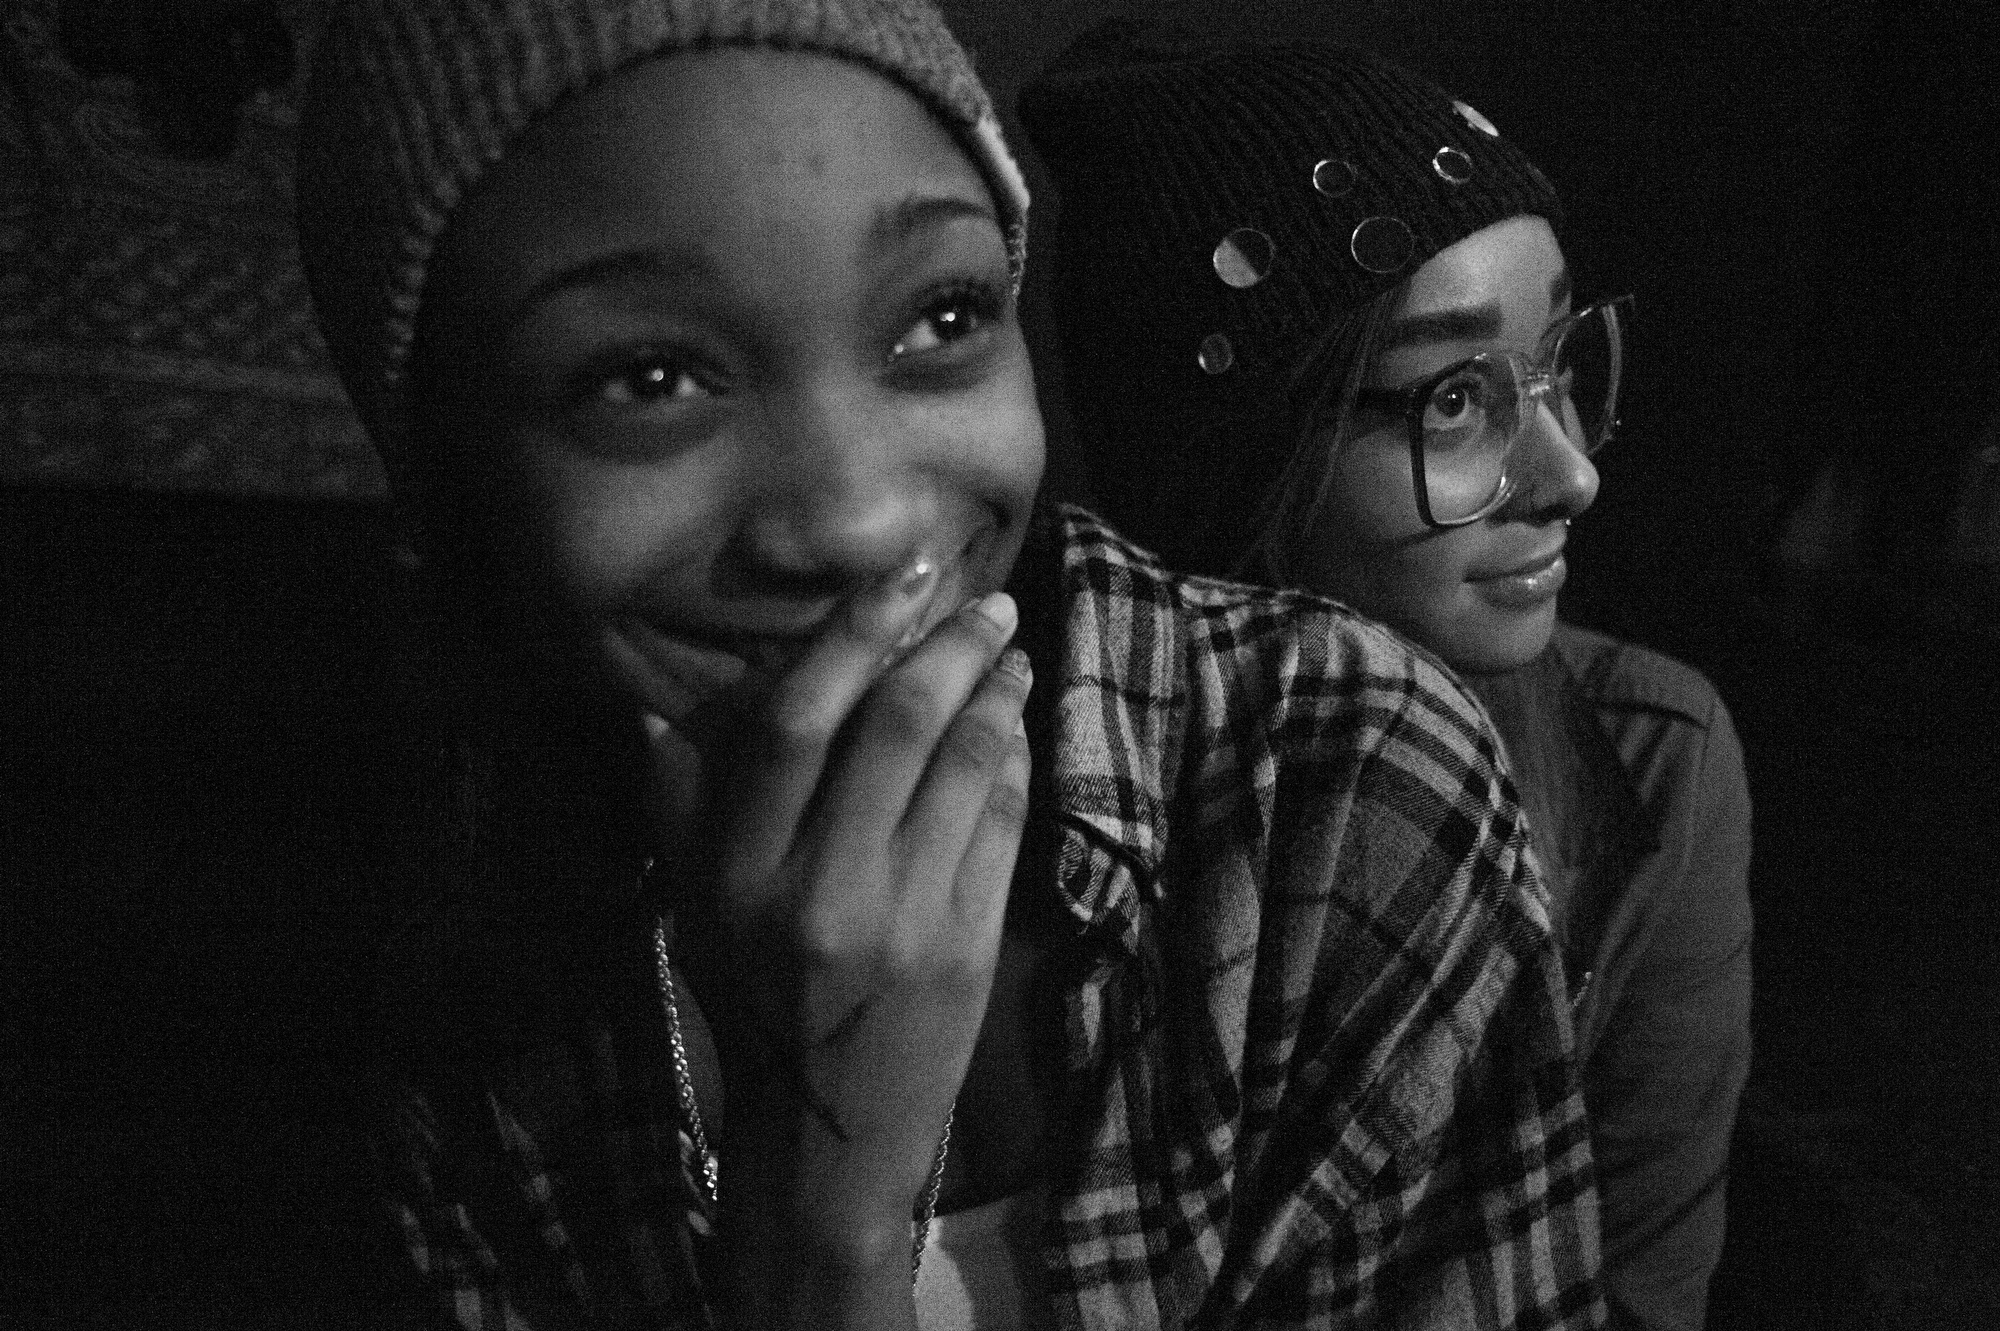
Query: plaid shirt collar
(1111, 719)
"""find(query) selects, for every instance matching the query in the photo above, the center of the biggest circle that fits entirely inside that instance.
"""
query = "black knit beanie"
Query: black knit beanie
(1220, 211)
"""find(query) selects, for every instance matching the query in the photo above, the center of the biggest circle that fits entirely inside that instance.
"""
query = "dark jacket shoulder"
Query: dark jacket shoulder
(1622, 676)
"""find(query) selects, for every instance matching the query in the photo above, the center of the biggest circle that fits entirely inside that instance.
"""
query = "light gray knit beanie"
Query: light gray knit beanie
(412, 101)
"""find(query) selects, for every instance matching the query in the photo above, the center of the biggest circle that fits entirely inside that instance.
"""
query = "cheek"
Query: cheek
(997, 453)
(1371, 549)
(1372, 496)
(1005, 428)
(1012, 456)
(594, 535)
(1415, 585)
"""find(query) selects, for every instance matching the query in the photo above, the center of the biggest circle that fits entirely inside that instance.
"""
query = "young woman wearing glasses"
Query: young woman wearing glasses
(1318, 330)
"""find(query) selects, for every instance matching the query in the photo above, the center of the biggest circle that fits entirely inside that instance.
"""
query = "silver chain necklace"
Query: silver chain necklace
(711, 1167)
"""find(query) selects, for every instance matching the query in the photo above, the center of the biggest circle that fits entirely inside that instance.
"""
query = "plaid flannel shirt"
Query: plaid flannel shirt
(1321, 1057)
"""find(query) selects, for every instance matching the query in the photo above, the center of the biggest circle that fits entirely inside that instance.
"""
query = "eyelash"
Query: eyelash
(592, 384)
(984, 301)
(987, 302)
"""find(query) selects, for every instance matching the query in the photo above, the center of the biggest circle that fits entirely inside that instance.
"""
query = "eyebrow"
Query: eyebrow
(606, 269)
(895, 223)
(1477, 323)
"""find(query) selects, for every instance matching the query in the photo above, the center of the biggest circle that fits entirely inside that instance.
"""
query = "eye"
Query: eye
(950, 316)
(1456, 408)
(655, 377)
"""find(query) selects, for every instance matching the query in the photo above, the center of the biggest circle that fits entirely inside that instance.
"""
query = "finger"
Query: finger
(672, 789)
(785, 752)
(979, 893)
(915, 708)
(950, 802)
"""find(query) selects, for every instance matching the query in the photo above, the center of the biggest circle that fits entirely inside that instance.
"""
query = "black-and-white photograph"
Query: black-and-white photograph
(998, 665)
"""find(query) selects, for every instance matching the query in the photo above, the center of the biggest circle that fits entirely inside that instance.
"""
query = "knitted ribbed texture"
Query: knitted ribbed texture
(1155, 159)
(411, 101)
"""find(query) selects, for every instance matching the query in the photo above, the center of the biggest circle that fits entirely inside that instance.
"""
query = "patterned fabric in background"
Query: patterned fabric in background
(154, 325)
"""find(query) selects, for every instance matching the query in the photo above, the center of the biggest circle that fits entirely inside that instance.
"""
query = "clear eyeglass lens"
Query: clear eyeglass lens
(1586, 365)
(1469, 423)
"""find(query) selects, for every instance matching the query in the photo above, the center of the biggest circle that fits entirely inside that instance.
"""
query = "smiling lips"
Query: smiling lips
(1527, 585)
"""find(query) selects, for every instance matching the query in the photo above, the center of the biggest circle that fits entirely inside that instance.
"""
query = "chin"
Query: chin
(1501, 643)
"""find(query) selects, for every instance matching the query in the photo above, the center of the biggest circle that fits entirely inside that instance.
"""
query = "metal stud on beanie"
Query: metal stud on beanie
(1219, 212)
(411, 101)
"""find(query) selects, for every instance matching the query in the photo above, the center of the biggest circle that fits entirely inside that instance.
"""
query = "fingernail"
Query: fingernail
(882, 607)
(1015, 662)
(998, 608)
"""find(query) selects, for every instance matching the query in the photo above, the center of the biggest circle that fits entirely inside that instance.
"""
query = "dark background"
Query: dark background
(198, 683)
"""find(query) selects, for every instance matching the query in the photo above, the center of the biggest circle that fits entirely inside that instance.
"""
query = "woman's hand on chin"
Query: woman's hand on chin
(842, 935)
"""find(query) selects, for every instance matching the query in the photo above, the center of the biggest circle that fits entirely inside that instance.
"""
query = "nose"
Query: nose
(1556, 479)
(839, 499)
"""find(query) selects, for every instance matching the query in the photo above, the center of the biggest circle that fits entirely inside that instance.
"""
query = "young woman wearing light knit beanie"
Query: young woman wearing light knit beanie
(1318, 332)
(776, 935)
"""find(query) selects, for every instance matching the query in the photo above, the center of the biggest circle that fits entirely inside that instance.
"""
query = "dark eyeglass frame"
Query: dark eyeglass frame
(1533, 379)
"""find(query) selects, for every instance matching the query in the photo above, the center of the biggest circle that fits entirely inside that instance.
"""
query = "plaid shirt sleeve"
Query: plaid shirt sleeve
(1331, 1067)
(538, 1192)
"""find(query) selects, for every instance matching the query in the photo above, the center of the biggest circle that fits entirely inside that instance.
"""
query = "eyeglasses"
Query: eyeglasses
(1466, 421)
